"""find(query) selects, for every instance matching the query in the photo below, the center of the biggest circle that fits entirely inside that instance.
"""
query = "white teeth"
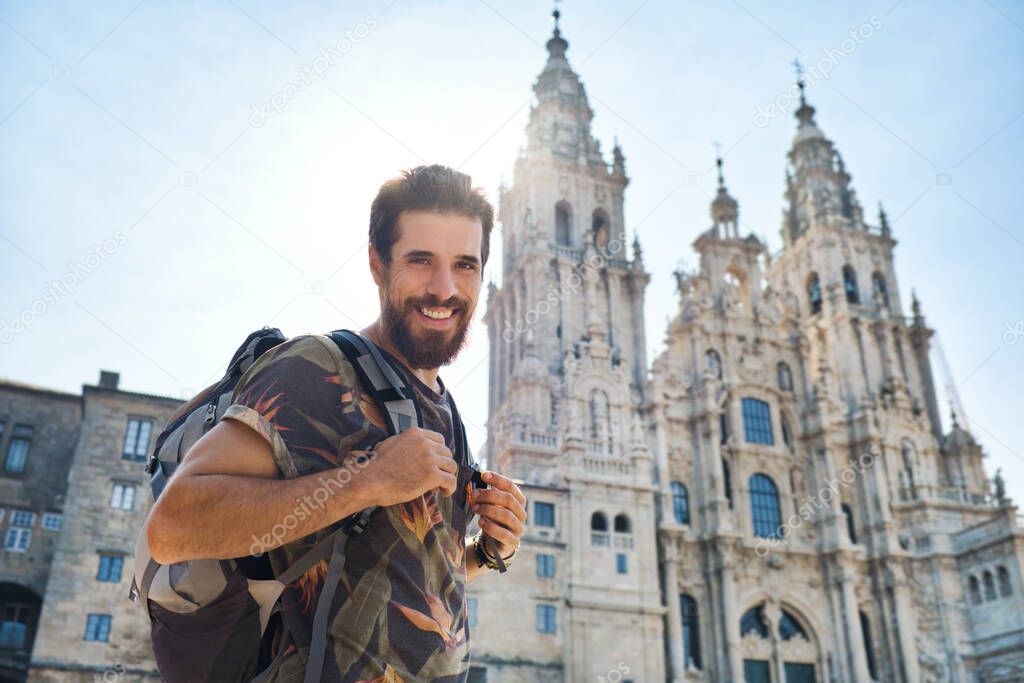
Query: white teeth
(437, 313)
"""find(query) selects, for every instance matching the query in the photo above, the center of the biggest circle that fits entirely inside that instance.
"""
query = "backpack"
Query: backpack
(209, 617)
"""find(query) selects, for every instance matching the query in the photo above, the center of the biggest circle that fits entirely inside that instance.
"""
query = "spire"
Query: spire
(557, 45)
(805, 114)
(915, 308)
(883, 221)
(618, 161)
(724, 209)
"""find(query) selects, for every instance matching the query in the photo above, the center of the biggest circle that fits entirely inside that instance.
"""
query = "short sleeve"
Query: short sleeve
(294, 396)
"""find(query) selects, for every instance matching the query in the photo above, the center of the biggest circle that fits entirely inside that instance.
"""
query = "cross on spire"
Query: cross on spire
(718, 161)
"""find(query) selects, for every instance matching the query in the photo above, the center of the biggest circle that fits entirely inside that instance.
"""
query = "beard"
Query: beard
(424, 348)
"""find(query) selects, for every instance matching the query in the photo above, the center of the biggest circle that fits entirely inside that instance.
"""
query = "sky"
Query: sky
(166, 187)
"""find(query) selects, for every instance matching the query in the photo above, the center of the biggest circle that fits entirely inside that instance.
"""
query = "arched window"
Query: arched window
(785, 377)
(880, 290)
(814, 293)
(850, 284)
(974, 588)
(622, 525)
(1005, 588)
(601, 226)
(764, 506)
(757, 421)
(989, 584)
(691, 631)
(850, 530)
(789, 627)
(713, 361)
(753, 621)
(563, 223)
(598, 522)
(869, 647)
(680, 503)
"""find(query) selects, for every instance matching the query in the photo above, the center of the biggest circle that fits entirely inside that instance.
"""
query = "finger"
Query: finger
(502, 499)
(446, 463)
(430, 434)
(502, 516)
(499, 533)
(504, 483)
(447, 482)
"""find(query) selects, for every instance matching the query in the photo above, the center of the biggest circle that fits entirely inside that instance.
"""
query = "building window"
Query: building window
(990, 585)
(850, 284)
(814, 293)
(787, 438)
(23, 518)
(757, 421)
(850, 530)
(753, 621)
(756, 671)
(621, 564)
(764, 506)
(599, 224)
(1005, 587)
(622, 525)
(97, 627)
(546, 618)
(17, 539)
(869, 648)
(727, 481)
(14, 628)
(598, 529)
(789, 627)
(713, 361)
(110, 568)
(17, 449)
(545, 566)
(723, 428)
(477, 674)
(52, 521)
(563, 223)
(136, 439)
(785, 377)
(691, 631)
(881, 292)
(975, 590)
(122, 496)
(471, 611)
(680, 503)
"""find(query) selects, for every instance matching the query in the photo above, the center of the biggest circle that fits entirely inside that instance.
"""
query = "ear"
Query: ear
(376, 266)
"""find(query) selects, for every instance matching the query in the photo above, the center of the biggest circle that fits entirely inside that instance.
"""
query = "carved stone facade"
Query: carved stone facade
(777, 499)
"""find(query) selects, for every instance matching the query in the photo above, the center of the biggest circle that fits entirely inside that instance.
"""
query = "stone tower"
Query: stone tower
(815, 523)
(567, 373)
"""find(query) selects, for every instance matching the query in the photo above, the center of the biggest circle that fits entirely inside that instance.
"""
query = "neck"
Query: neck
(426, 375)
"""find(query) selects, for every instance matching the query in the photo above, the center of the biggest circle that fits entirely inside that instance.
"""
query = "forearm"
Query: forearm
(223, 516)
(473, 569)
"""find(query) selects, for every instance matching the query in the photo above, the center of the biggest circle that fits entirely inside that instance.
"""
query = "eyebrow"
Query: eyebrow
(419, 253)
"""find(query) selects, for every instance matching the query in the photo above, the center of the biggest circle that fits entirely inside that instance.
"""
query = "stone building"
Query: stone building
(777, 499)
(74, 493)
(773, 499)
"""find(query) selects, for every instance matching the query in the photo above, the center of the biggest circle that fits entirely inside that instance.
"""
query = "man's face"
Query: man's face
(430, 289)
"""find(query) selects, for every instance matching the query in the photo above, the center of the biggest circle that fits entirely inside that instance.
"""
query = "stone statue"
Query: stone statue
(1000, 487)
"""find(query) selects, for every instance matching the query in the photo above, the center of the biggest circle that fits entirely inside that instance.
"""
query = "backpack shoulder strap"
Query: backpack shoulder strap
(383, 381)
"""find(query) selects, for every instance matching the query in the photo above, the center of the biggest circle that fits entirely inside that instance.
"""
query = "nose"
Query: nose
(442, 284)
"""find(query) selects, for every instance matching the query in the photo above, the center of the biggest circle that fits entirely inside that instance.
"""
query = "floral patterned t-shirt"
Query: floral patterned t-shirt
(399, 613)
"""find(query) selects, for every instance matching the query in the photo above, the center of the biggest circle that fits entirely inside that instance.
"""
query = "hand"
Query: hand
(409, 464)
(502, 510)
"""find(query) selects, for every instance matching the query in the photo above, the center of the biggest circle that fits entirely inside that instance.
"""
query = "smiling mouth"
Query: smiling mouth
(437, 312)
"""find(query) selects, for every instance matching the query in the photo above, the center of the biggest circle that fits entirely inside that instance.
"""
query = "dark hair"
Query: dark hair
(427, 188)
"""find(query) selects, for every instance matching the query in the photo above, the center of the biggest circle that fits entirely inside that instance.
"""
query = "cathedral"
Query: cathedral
(774, 498)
